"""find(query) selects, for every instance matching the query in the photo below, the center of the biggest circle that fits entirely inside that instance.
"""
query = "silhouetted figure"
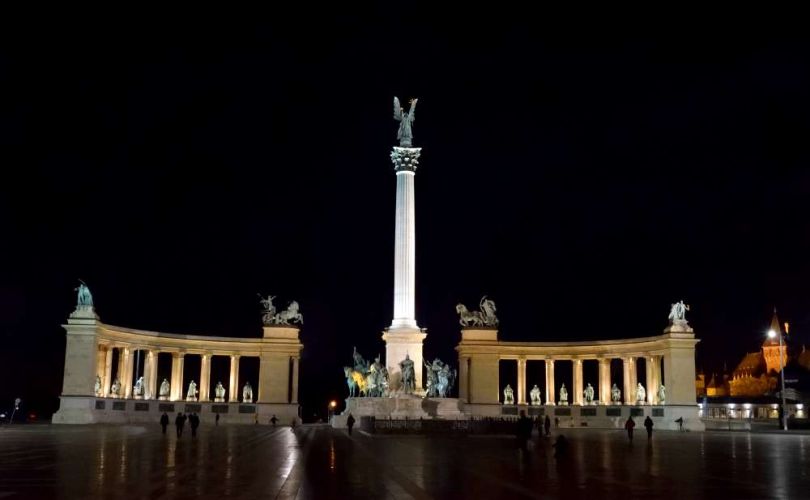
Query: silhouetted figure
(547, 426)
(524, 429)
(648, 423)
(164, 421)
(179, 422)
(560, 446)
(556, 422)
(194, 420)
(680, 423)
(273, 421)
(629, 425)
(216, 420)
(350, 423)
(292, 424)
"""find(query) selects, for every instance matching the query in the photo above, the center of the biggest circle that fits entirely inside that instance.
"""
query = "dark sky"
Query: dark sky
(582, 179)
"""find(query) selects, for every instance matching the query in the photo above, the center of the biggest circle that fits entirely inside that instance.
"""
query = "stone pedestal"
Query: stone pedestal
(398, 343)
(400, 408)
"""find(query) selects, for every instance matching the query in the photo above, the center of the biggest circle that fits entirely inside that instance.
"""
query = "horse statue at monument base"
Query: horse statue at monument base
(355, 381)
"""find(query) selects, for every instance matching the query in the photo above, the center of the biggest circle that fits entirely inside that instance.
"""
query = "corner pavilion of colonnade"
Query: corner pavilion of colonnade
(669, 360)
(90, 393)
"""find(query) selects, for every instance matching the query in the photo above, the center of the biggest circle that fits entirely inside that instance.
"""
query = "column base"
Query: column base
(399, 343)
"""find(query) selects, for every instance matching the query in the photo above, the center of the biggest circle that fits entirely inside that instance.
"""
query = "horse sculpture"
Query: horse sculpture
(467, 317)
(355, 381)
(289, 315)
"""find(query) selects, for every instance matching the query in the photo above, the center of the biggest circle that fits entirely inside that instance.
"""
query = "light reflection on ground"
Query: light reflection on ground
(41, 461)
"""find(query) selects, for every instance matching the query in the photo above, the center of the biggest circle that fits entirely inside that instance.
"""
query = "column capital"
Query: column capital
(405, 159)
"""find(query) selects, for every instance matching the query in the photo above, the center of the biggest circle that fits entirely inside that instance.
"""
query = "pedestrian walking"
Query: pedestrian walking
(179, 422)
(547, 426)
(556, 422)
(273, 421)
(350, 423)
(524, 429)
(629, 425)
(194, 420)
(648, 423)
(164, 422)
(679, 421)
(216, 420)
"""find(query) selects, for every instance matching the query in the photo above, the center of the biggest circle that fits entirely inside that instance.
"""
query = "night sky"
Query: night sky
(582, 179)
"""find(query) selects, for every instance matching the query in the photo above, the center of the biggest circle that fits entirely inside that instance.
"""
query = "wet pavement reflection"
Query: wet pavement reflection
(42, 461)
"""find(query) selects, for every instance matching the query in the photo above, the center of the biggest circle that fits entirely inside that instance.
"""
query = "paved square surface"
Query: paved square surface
(42, 461)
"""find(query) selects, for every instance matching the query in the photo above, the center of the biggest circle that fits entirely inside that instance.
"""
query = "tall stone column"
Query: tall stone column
(233, 386)
(178, 359)
(129, 365)
(205, 377)
(633, 379)
(107, 381)
(294, 393)
(577, 381)
(549, 381)
(150, 370)
(521, 381)
(604, 381)
(626, 392)
(652, 386)
(404, 336)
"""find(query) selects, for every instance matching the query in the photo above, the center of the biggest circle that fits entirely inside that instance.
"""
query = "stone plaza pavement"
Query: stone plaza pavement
(257, 461)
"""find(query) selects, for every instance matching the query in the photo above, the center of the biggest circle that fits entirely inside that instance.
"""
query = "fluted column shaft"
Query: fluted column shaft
(549, 381)
(405, 253)
(178, 359)
(205, 377)
(107, 382)
(604, 381)
(233, 391)
(577, 379)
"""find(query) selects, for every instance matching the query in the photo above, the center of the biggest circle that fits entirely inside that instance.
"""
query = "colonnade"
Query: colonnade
(604, 383)
(669, 356)
(126, 367)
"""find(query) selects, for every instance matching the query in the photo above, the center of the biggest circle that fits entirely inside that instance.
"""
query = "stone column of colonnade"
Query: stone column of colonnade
(653, 378)
(233, 386)
(626, 392)
(150, 374)
(129, 365)
(205, 377)
(604, 381)
(176, 383)
(106, 381)
(549, 381)
(521, 381)
(577, 381)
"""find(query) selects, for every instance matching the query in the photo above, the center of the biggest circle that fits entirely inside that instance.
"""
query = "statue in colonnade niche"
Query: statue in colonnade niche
(97, 386)
(219, 393)
(508, 395)
(165, 390)
(662, 395)
(563, 395)
(191, 395)
(615, 394)
(137, 390)
(247, 393)
(589, 394)
(534, 396)
(115, 388)
(641, 394)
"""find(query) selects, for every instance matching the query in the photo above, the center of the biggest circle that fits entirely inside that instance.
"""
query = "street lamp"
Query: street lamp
(331, 410)
(772, 334)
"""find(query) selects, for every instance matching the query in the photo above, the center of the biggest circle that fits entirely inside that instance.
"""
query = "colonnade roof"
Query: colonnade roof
(275, 339)
(483, 342)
